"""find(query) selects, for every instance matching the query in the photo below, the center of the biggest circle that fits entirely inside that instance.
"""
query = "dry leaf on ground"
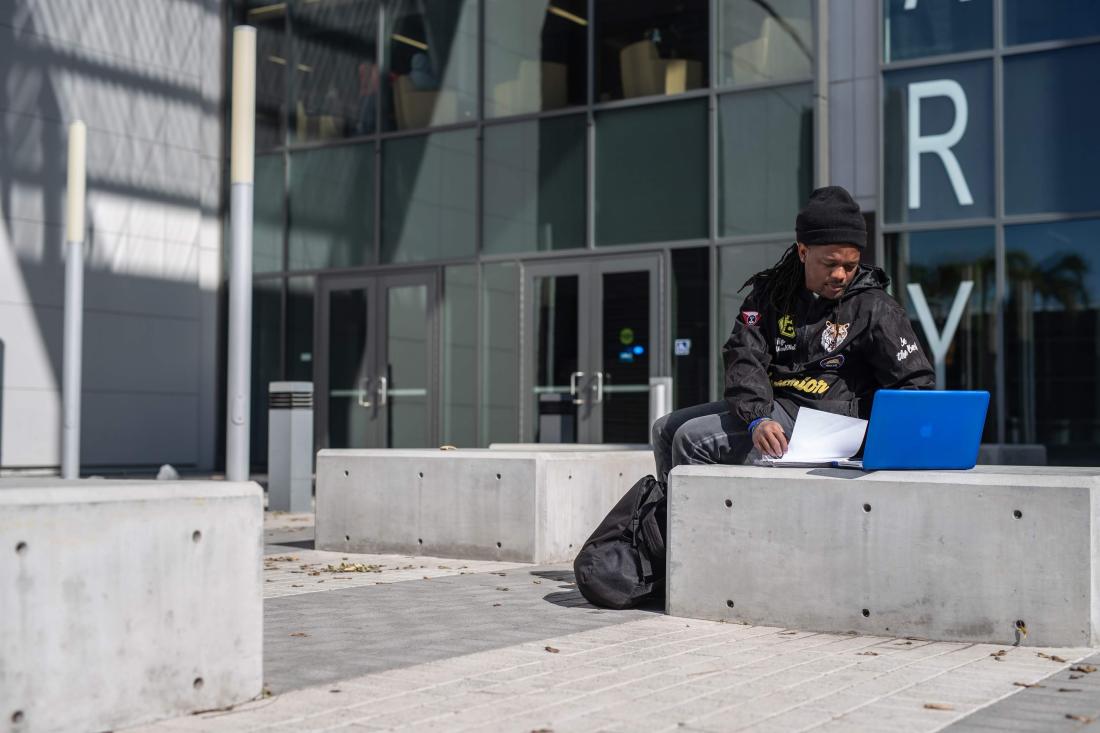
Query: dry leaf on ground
(1086, 668)
(1079, 718)
(938, 706)
(552, 650)
(1028, 684)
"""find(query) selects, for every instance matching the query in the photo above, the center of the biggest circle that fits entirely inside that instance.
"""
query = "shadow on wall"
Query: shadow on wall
(148, 190)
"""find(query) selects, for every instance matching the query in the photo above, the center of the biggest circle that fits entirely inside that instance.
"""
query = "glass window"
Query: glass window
(938, 262)
(268, 193)
(269, 20)
(499, 353)
(460, 356)
(535, 55)
(650, 47)
(1052, 103)
(1027, 21)
(336, 76)
(431, 57)
(760, 42)
(534, 185)
(299, 329)
(428, 201)
(932, 27)
(649, 189)
(267, 304)
(690, 326)
(736, 265)
(1052, 328)
(331, 207)
(938, 146)
(765, 158)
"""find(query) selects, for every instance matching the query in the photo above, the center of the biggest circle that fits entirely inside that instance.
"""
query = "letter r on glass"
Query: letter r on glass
(940, 144)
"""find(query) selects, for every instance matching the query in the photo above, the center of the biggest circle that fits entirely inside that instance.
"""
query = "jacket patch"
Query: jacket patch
(906, 349)
(782, 345)
(786, 326)
(751, 318)
(809, 385)
(832, 362)
(834, 334)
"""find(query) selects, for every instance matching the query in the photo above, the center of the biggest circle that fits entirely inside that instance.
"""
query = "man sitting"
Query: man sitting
(817, 329)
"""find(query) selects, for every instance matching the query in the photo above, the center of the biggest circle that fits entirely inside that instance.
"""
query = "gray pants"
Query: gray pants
(706, 434)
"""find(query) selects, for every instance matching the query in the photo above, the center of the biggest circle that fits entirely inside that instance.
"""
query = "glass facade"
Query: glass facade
(449, 193)
(1001, 140)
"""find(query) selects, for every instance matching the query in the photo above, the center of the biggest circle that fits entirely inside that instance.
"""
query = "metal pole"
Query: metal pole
(821, 95)
(74, 304)
(238, 381)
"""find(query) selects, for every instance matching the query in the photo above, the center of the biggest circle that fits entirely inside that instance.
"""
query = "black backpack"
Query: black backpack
(623, 562)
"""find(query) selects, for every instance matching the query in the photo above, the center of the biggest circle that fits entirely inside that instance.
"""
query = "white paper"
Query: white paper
(823, 437)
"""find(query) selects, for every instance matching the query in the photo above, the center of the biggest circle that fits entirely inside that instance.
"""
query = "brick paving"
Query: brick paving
(436, 644)
(507, 647)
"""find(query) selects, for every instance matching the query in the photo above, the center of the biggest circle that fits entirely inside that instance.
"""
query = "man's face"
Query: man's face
(829, 267)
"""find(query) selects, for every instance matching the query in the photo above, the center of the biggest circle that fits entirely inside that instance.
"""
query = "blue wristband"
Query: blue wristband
(757, 421)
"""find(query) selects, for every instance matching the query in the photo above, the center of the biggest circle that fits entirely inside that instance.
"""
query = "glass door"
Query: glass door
(625, 347)
(592, 326)
(555, 409)
(376, 370)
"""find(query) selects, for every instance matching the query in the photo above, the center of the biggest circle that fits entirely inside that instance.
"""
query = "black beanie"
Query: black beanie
(831, 217)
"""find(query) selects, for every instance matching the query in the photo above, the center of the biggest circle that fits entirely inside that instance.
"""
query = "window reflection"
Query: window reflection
(535, 53)
(299, 329)
(335, 91)
(331, 207)
(647, 188)
(269, 20)
(534, 185)
(431, 54)
(938, 262)
(650, 47)
(764, 41)
(765, 154)
(428, 203)
(499, 361)
(1052, 328)
(936, 27)
(1028, 21)
(1051, 108)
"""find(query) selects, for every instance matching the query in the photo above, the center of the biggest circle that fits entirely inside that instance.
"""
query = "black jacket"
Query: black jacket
(831, 355)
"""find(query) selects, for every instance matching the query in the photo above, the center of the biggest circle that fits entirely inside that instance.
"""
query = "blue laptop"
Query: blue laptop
(923, 429)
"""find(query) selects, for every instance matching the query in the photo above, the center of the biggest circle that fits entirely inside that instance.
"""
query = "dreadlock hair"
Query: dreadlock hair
(781, 283)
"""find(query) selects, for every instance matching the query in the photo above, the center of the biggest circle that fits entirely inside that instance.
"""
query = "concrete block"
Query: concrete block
(1012, 454)
(127, 602)
(946, 555)
(524, 506)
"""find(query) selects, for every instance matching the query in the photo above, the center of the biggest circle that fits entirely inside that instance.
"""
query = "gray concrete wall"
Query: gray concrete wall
(853, 99)
(147, 78)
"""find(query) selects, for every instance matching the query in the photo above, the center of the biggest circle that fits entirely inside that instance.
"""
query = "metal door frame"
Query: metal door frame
(375, 283)
(589, 271)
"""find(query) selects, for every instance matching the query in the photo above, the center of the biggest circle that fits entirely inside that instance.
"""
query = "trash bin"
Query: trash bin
(290, 447)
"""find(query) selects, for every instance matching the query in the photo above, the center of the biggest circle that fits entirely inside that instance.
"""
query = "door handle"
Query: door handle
(599, 388)
(577, 400)
(383, 394)
(364, 391)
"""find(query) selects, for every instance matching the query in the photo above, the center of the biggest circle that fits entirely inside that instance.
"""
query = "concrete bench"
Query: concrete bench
(951, 555)
(523, 506)
(127, 602)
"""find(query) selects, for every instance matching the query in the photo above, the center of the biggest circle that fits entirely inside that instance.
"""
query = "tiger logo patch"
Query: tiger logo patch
(834, 334)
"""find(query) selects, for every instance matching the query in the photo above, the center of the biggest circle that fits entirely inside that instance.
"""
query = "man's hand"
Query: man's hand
(769, 439)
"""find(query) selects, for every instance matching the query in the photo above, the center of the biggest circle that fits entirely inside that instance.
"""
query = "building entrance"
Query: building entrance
(375, 387)
(594, 343)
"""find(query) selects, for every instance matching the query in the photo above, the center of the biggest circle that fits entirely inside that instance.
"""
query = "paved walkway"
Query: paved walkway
(386, 642)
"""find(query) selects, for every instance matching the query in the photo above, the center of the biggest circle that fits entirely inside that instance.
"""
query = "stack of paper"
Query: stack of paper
(822, 437)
